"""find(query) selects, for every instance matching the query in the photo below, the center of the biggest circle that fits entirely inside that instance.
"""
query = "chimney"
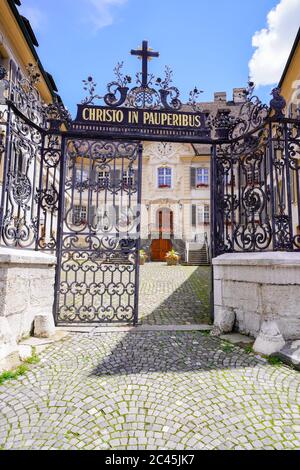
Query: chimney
(239, 95)
(220, 96)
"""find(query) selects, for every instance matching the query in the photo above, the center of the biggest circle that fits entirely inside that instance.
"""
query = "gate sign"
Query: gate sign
(141, 122)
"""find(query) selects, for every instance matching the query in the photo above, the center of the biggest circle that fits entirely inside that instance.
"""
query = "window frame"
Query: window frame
(164, 176)
(202, 177)
(79, 214)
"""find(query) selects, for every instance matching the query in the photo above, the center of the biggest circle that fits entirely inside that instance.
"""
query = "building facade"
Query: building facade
(176, 190)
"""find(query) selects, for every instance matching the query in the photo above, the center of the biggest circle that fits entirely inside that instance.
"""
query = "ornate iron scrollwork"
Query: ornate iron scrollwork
(157, 93)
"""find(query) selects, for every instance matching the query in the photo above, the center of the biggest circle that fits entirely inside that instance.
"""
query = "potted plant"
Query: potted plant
(143, 257)
(172, 258)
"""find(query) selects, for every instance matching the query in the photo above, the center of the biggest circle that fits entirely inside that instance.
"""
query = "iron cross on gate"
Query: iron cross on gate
(145, 54)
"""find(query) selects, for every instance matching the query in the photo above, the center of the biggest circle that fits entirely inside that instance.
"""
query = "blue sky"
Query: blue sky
(206, 43)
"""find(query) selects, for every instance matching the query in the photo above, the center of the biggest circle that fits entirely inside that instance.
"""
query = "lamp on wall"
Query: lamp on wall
(180, 205)
(147, 206)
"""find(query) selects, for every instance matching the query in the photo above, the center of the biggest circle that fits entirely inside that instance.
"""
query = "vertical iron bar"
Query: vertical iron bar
(6, 157)
(213, 233)
(60, 222)
(288, 186)
(40, 195)
(138, 243)
(270, 142)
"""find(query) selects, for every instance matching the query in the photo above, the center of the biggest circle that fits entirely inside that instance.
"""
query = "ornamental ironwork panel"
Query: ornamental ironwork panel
(255, 189)
(30, 152)
(100, 232)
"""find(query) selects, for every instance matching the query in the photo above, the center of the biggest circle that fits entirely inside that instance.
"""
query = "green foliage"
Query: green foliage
(21, 370)
(172, 254)
(143, 255)
(70, 434)
(274, 360)
(205, 333)
(248, 349)
(227, 347)
(12, 374)
(33, 359)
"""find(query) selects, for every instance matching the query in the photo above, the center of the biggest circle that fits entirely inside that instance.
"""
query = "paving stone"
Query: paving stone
(152, 389)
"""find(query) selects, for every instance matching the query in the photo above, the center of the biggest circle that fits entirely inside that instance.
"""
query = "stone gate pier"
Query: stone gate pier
(258, 294)
(26, 298)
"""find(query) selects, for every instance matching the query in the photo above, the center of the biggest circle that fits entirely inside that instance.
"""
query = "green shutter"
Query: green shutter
(115, 177)
(91, 216)
(194, 215)
(193, 177)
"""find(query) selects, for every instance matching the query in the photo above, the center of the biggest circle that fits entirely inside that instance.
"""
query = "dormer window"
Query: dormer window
(164, 177)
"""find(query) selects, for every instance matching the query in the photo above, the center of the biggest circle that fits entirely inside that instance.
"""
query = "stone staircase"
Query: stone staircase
(197, 258)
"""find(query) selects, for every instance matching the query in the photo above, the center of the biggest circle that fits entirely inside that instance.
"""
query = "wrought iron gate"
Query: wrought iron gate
(74, 187)
(99, 241)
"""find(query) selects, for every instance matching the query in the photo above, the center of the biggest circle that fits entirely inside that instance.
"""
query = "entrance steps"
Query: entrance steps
(197, 258)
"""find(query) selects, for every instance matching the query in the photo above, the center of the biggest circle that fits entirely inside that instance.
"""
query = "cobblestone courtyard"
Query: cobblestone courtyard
(151, 389)
(174, 295)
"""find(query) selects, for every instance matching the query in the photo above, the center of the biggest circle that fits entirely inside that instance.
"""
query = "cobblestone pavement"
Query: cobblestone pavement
(174, 295)
(153, 390)
(168, 294)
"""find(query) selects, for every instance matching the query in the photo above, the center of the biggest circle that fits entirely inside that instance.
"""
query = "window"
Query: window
(206, 214)
(82, 175)
(164, 177)
(203, 216)
(252, 176)
(202, 177)
(79, 215)
(103, 177)
(128, 177)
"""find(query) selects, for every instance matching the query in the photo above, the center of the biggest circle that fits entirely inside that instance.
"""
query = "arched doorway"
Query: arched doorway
(165, 230)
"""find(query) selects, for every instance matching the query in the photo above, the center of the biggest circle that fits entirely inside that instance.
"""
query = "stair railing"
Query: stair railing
(187, 251)
(207, 247)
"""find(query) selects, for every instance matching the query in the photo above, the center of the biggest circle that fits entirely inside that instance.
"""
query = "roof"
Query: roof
(32, 42)
(295, 45)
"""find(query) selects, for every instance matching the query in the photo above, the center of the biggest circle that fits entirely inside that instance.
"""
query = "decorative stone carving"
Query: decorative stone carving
(269, 340)
(165, 152)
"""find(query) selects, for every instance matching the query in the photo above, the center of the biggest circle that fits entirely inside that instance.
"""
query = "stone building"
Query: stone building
(176, 190)
(176, 185)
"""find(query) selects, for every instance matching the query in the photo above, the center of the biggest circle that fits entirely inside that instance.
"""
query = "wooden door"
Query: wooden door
(160, 247)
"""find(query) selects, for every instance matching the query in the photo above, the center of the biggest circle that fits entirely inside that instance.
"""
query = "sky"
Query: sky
(214, 45)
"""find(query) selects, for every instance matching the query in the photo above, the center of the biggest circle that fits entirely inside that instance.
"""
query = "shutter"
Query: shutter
(93, 176)
(135, 181)
(193, 177)
(115, 177)
(194, 215)
(92, 219)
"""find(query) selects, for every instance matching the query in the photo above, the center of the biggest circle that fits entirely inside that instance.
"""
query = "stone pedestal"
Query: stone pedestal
(26, 292)
(250, 288)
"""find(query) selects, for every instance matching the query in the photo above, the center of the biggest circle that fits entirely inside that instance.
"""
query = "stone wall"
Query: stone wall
(250, 288)
(26, 291)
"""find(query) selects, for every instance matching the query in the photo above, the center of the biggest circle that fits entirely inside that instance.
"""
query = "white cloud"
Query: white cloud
(102, 14)
(34, 15)
(273, 44)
